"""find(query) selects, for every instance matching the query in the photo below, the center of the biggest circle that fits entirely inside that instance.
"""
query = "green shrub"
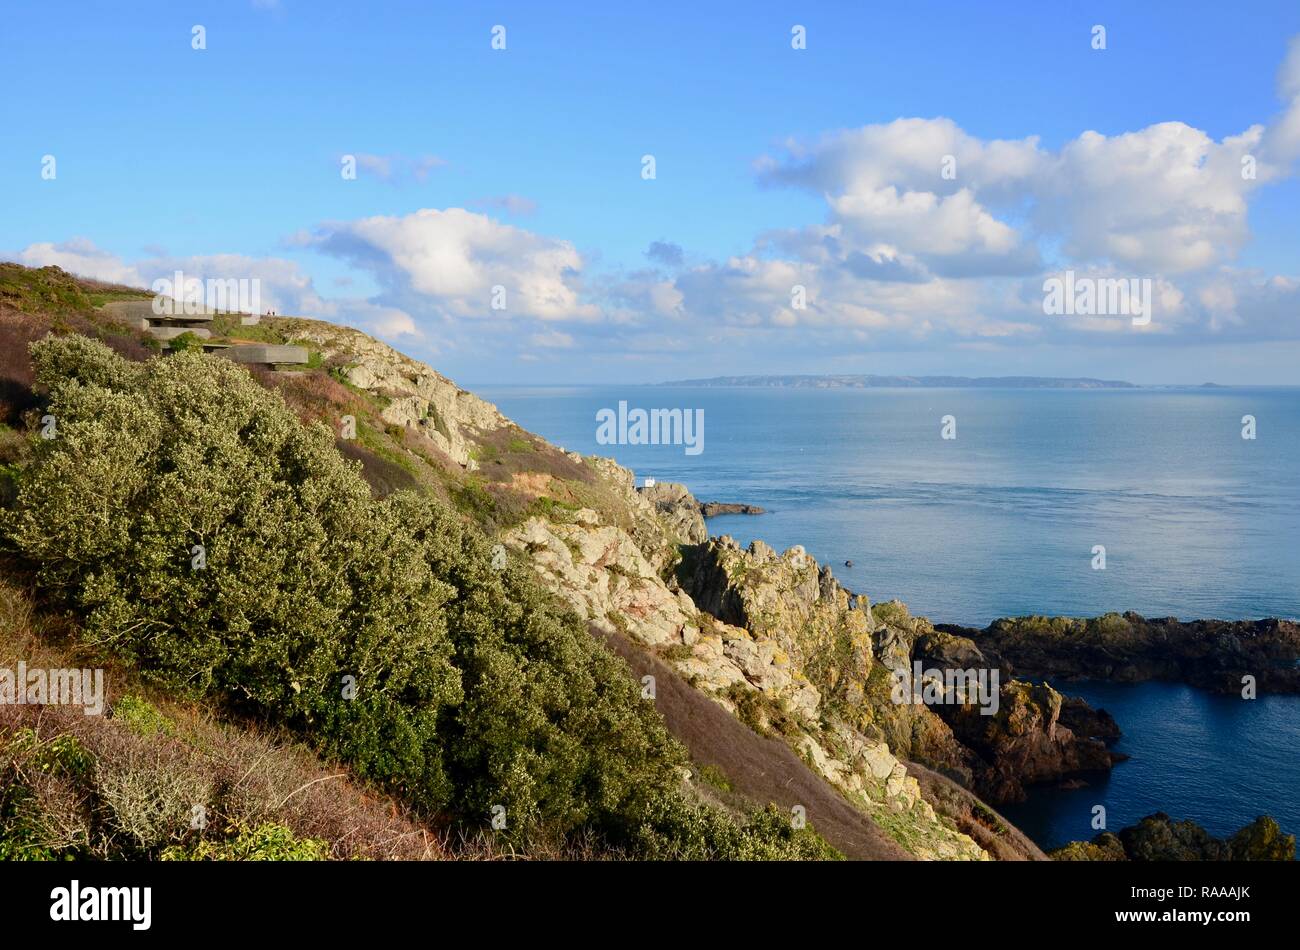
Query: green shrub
(22, 835)
(141, 717)
(42, 785)
(186, 342)
(675, 830)
(712, 775)
(267, 842)
(306, 581)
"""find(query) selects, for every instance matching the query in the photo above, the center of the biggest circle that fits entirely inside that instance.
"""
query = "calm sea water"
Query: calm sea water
(1218, 760)
(1196, 522)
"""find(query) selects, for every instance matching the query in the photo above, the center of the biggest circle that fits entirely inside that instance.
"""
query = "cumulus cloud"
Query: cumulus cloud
(81, 256)
(931, 232)
(452, 260)
(1165, 199)
(917, 189)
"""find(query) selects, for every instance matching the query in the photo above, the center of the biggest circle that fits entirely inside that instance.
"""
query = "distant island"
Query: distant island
(912, 382)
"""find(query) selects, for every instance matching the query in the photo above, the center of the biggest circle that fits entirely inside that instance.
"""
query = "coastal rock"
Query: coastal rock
(604, 577)
(787, 599)
(711, 509)
(1086, 722)
(1212, 654)
(948, 651)
(1160, 838)
(1104, 847)
(678, 507)
(757, 672)
(1024, 743)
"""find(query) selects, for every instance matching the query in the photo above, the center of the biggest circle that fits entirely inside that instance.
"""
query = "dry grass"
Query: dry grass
(140, 793)
(18, 329)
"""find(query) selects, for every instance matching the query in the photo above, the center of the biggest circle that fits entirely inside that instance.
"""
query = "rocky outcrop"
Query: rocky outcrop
(1086, 722)
(1036, 736)
(417, 397)
(678, 508)
(1025, 743)
(1214, 655)
(757, 672)
(600, 572)
(659, 533)
(1160, 838)
(711, 509)
(840, 639)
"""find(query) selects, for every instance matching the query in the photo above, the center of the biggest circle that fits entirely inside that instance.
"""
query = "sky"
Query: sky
(644, 192)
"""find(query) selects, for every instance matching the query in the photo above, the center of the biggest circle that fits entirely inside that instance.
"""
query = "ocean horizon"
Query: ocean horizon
(1002, 519)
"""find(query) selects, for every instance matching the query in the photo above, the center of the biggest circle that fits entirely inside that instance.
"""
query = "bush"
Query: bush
(44, 803)
(141, 717)
(266, 842)
(186, 342)
(677, 830)
(303, 580)
(150, 804)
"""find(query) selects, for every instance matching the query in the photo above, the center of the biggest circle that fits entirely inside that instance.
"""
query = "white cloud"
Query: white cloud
(1280, 146)
(81, 256)
(1165, 199)
(916, 208)
(917, 187)
(451, 260)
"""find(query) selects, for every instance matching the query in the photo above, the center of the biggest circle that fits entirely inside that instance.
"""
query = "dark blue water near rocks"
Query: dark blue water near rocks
(1219, 760)
(1197, 522)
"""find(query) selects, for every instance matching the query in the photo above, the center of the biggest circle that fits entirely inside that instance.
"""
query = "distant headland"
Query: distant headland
(912, 382)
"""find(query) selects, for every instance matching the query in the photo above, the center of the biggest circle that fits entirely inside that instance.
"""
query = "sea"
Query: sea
(970, 504)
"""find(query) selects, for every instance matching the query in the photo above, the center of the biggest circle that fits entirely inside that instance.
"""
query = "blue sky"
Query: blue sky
(775, 167)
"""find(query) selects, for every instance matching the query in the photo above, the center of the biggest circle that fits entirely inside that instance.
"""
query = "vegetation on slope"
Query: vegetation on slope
(200, 532)
(54, 290)
(157, 775)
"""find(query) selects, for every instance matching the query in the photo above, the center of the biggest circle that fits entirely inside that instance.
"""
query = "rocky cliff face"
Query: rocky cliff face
(416, 395)
(853, 653)
(603, 574)
(678, 508)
